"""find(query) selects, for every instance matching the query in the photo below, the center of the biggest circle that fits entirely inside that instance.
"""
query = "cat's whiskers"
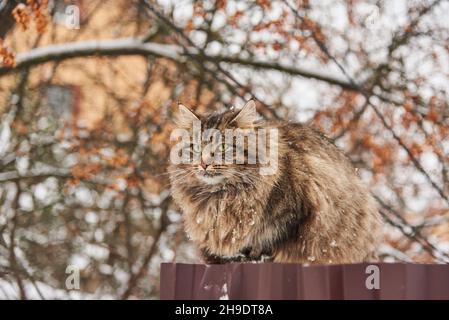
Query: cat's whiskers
(168, 173)
(181, 177)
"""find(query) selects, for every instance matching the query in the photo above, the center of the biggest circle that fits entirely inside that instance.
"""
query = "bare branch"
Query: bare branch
(294, 71)
(15, 175)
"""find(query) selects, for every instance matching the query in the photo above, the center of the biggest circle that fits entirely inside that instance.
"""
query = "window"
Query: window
(60, 102)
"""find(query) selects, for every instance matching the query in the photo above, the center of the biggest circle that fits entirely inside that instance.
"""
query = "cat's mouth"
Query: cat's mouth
(210, 174)
(210, 177)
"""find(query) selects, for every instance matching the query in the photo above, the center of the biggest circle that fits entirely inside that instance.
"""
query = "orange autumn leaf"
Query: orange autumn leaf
(416, 149)
(189, 27)
(85, 171)
(8, 58)
(277, 46)
(221, 4)
(38, 10)
(265, 4)
(20, 127)
(22, 15)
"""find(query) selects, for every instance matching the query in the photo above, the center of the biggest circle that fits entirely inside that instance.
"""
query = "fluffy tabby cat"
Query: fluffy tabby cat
(314, 209)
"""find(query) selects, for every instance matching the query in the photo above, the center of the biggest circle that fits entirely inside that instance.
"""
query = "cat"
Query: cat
(312, 209)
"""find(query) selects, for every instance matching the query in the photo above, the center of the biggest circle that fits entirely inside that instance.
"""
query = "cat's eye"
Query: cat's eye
(196, 148)
(223, 147)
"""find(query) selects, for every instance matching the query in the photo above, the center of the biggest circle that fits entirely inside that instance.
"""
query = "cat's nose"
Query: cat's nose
(203, 164)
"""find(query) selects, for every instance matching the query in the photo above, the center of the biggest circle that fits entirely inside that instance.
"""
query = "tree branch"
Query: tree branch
(125, 46)
(294, 71)
(133, 46)
(15, 175)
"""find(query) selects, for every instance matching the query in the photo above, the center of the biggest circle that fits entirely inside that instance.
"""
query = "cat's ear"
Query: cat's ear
(185, 117)
(247, 116)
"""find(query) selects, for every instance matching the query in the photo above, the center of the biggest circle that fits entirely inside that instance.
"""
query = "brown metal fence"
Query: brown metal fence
(294, 281)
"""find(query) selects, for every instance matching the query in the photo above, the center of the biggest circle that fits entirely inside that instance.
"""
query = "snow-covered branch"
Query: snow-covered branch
(126, 46)
(135, 46)
(15, 175)
(49, 172)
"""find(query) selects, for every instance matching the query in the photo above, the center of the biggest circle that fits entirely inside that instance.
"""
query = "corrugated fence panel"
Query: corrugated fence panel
(274, 281)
